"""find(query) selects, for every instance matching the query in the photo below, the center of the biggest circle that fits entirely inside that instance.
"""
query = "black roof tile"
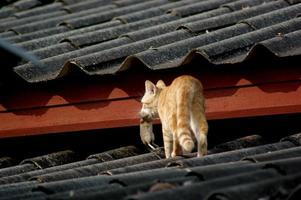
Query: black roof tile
(202, 189)
(110, 155)
(69, 2)
(198, 7)
(42, 17)
(234, 17)
(237, 48)
(55, 7)
(94, 169)
(233, 155)
(6, 12)
(99, 36)
(39, 162)
(275, 163)
(154, 31)
(239, 5)
(109, 67)
(26, 4)
(281, 154)
(87, 5)
(270, 187)
(240, 143)
(284, 166)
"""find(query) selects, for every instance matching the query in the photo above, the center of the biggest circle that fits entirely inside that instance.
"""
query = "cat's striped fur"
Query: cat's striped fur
(181, 110)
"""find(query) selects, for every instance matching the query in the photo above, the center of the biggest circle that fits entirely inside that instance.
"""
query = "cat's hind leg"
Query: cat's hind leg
(177, 149)
(202, 136)
(199, 127)
(168, 142)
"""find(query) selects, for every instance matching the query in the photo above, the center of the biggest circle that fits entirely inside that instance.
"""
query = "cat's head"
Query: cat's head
(149, 100)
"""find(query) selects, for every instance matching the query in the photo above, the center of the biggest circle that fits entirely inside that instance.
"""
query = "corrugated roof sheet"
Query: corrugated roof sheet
(246, 168)
(102, 37)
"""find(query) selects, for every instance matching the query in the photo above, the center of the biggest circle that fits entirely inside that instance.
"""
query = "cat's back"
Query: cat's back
(186, 83)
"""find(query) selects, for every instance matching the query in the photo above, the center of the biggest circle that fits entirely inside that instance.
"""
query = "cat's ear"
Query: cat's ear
(160, 84)
(150, 87)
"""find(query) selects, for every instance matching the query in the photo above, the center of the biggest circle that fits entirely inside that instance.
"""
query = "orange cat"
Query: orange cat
(181, 110)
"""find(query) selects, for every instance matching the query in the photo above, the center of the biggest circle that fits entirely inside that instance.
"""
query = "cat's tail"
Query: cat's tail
(183, 123)
(186, 142)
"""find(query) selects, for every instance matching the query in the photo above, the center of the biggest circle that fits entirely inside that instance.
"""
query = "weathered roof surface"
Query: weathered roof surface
(102, 37)
(233, 170)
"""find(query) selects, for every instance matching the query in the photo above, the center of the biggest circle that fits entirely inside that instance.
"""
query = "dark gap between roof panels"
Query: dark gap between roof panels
(7, 162)
(6, 2)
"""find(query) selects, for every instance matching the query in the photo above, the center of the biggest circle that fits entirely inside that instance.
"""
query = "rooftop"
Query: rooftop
(245, 168)
(105, 37)
(95, 56)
